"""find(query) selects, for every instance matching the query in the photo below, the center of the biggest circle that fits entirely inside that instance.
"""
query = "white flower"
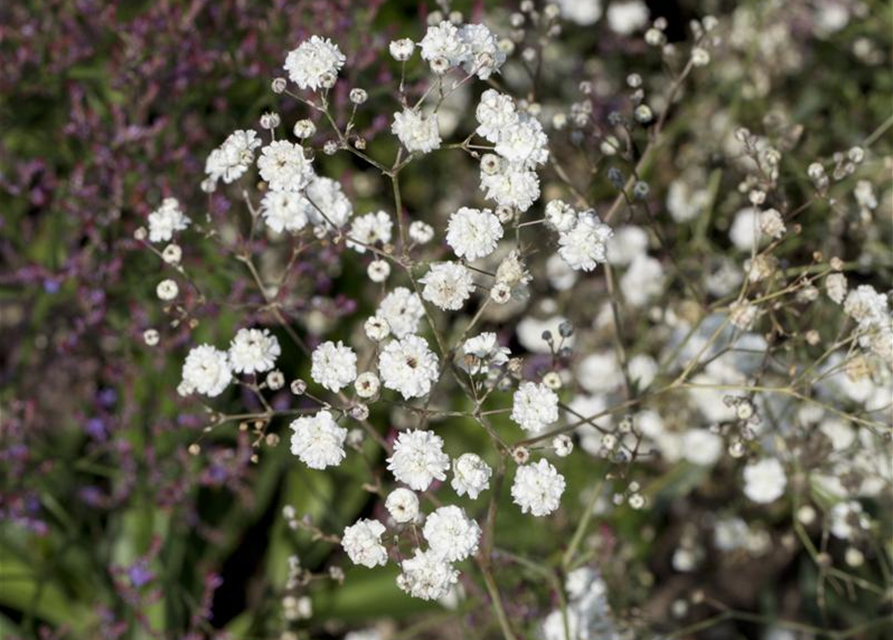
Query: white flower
(626, 17)
(443, 41)
(334, 366)
(416, 131)
(701, 447)
(231, 160)
(370, 229)
(772, 224)
(427, 576)
(253, 351)
(485, 352)
(318, 440)
(418, 459)
(584, 246)
(534, 406)
(765, 481)
(473, 233)
(283, 211)
(523, 143)
(402, 310)
(511, 186)
(166, 220)
(167, 290)
(628, 243)
(583, 12)
(561, 215)
(495, 112)
(206, 371)
(407, 365)
(367, 384)
(471, 475)
(421, 232)
(537, 488)
(401, 50)
(452, 534)
(284, 167)
(172, 254)
(403, 505)
(376, 328)
(325, 204)
(685, 202)
(362, 542)
(484, 55)
(745, 230)
(378, 270)
(314, 63)
(836, 286)
(866, 306)
(847, 520)
(643, 280)
(447, 285)
(563, 445)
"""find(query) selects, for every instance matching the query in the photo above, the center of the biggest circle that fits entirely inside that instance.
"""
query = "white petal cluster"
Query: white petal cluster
(561, 216)
(417, 132)
(283, 211)
(443, 41)
(447, 285)
(402, 310)
(484, 55)
(473, 233)
(427, 576)
(523, 143)
(283, 165)
(643, 280)
(231, 160)
(495, 113)
(408, 366)
(166, 220)
(314, 63)
(362, 543)
(583, 247)
(253, 351)
(511, 186)
(318, 440)
(471, 475)
(534, 406)
(369, 230)
(418, 459)
(848, 520)
(452, 534)
(482, 352)
(325, 204)
(867, 307)
(334, 365)
(537, 488)
(206, 371)
(403, 505)
(765, 481)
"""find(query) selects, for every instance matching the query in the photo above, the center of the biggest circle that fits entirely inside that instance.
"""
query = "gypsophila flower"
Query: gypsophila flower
(151, 337)
(417, 132)
(167, 290)
(495, 113)
(403, 505)
(370, 229)
(402, 310)
(304, 129)
(452, 534)
(408, 366)
(482, 352)
(362, 542)
(836, 287)
(427, 576)
(166, 220)
(447, 285)
(563, 445)
(471, 475)
(523, 143)
(473, 233)
(283, 211)
(534, 406)
(376, 328)
(583, 247)
(206, 371)
(325, 204)
(765, 481)
(367, 384)
(312, 64)
(743, 314)
(231, 160)
(284, 166)
(253, 351)
(772, 224)
(512, 186)
(484, 56)
(561, 216)
(848, 520)
(378, 270)
(537, 488)
(421, 232)
(172, 254)
(401, 50)
(275, 380)
(318, 440)
(866, 306)
(442, 41)
(334, 365)
(418, 459)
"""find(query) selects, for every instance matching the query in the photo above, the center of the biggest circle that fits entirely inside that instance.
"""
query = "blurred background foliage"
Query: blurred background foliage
(108, 527)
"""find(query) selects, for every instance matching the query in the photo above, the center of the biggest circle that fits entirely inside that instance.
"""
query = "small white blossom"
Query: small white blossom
(471, 475)
(283, 211)
(583, 247)
(167, 290)
(417, 132)
(367, 384)
(403, 505)
(534, 406)
(318, 440)
(482, 352)
(772, 224)
(408, 366)
(473, 233)
(537, 488)
(253, 351)
(523, 143)
(206, 371)
(401, 50)
(418, 459)
(563, 445)
(847, 520)
(427, 576)
(325, 204)
(442, 41)
(362, 542)
(314, 63)
(284, 166)
(166, 220)
(421, 232)
(403, 310)
(495, 113)
(376, 328)
(334, 365)
(484, 55)
(231, 160)
(370, 229)
(452, 534)
(512, 186)
(836, 286)
(561, 216)
(378, 270)
(765, 481)
(447, 285)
